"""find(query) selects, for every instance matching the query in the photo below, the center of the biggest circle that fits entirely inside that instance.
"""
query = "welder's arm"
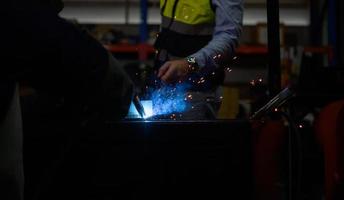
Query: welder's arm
(107, 89)
(118, 90)
(229, 16)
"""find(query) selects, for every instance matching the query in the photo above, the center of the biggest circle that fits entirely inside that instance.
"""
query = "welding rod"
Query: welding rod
(139, 106)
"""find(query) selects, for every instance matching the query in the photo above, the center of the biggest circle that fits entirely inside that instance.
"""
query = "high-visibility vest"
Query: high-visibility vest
(187, 26)
(191, 17)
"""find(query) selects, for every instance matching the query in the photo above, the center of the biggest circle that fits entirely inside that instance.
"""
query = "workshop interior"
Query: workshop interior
(273, 129)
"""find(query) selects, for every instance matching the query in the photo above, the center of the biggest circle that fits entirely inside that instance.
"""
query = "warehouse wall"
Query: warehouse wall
(102, 13)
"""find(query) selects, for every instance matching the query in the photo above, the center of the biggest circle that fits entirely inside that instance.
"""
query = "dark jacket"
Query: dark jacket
(54, 57)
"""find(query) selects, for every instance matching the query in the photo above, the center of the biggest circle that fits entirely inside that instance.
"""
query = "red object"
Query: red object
(143, 50)
(269, 143)
(329, 128)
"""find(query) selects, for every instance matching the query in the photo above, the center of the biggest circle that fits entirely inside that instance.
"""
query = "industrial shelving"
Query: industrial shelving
(144, 50)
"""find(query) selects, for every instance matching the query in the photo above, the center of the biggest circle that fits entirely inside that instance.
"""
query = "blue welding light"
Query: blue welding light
(147, 105)
(164, 101)
(170, 99)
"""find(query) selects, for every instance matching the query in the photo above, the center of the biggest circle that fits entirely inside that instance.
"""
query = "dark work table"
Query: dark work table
(137, 159)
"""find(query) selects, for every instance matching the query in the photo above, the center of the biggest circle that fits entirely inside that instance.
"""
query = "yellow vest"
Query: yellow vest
(193, 17)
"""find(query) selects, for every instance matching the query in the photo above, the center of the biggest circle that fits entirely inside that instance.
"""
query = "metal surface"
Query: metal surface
(147, 160)
(274, 103)
(172, 159)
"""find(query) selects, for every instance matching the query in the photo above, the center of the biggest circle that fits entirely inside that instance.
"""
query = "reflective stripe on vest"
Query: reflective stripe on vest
(191, 17)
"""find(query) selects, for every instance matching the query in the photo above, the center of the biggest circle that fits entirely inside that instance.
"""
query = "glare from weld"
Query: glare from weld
(148, 108)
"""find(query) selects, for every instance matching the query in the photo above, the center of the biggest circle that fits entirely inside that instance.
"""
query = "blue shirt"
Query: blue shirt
(228, 26)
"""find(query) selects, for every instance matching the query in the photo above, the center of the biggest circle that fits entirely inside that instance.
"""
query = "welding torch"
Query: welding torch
(138, 105)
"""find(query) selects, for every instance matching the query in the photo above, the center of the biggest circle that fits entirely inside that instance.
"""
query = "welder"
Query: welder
(197, 39)
(57, 59)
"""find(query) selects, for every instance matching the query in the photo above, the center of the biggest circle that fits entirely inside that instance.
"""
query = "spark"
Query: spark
(173, 116)
(228, 69)
(235, 57)
(260, 80)
(300, 126)
(213, 73)
(276, 109)
(190, 96)
(167, 99)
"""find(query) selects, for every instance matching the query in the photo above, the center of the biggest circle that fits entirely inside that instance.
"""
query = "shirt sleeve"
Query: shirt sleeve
(228, 27)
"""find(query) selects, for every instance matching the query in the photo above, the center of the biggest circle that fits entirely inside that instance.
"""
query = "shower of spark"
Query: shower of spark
(170, 99)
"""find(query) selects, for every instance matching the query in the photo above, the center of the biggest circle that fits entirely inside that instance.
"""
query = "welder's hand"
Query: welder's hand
(173, 71)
